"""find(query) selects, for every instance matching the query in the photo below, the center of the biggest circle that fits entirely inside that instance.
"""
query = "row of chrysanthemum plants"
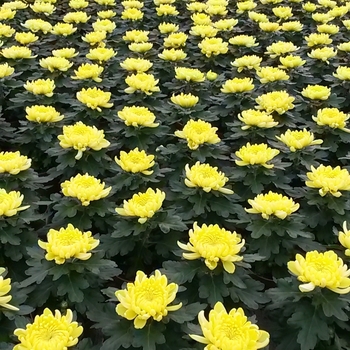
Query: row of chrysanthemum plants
(142, 243)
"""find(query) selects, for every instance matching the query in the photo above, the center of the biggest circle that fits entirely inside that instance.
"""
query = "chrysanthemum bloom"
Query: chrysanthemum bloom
(143, 205)
(270, 74)
(10, 203)
(127, 4)
(226, 24)
(229, 330)
(106, 14)
(6, 70)
(216, 10)
(329, 180)
(272, 204)
(196, 6)
(346, 24)
(257, 17)
(269, 26)
(247, 61)
(67, 243)
(211, 76)
(66, 52)
(283, 12)
(142, 82)
(105, 2)
(78, 4)
(344, 47)
(76, 17)
(63, 29)
(280, 48)
(201, 19)
(342, 73)
(237, 85)
(136, 161)
(6, 30)
(291, 61)
(136, 36)
(324, 270)
(257, 154)
(101, 54)
(95, 98)
(166, 10)
(49, 331)
(138, 116)
(15, 5)
(213, 244)
(298, 139)
(86, 188)
(26, 38)
(316, 92)
(276, 101)
(333, 118)
(81, 137)
(104, 25)
(17, 52)
(189, 74)
(175, 40)
(318, 39)
(132, 14)
(166, 28)
(37, 25)
(292, 26)
(172, 55)
(55, 63)
(323, 54)
(13, 162)
(243, 40)
(147, 297)
(43, 114)
(197, 133)
(184, 100)
(260, 119)
(140, 47)
(213, 46)
(88, 71)
(5, 287)
(139, 65)
(40, 87)
(95, 37)
(243, 6)
(309, 6)
(344, 238)
(203, 30)
(43, 7)
(206, 177)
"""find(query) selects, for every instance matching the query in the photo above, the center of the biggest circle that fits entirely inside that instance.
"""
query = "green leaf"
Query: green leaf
(181, 271)
(172, 222)
(212, 288)
(333, 305)
(149, 336)
(72, 285)
(186, 313)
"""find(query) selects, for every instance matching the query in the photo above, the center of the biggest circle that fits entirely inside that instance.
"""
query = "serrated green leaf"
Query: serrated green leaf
(181, 271)
(333, 305)
(72, 285)
(186, 313)
(149, 336)
(212, 288)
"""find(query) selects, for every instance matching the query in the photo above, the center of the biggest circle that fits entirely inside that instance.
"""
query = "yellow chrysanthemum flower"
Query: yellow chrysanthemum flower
(166, 28)
(26, 38)
(323, 54)
(270, 74)
(237, 85)
(15, 5)
(269, 26)
(211, 76)
(81, 137)
(78, 4)
(206, 177)
(17, 52)
(184, 100)
(189, 74)
(142, 82)
(243, 40)
(101, 54)
(136, 161)
(40, 87)
(147, 297)
(280, 48)
(276, 101)
(172, 55)
(292, 26)
(344, 238)
(247, 61)
(342, 73)
(43, 114)
(197, 133)
(140, 47)
(196, 6)
(203, 30)
(272, 204)
(67, 243)
(260, 119)
(322, 17)
(63, 29)
(201, 19)
(132, 4)
(5, 288)
(132, 14)
(43, 7)
(324, 270)
(257, 17)
(298, 139)
(55, 63)
(328, 180)
(139, 65)
(213, 46)
(6, 30)
(86, 188)
(143, 205)
(49, 331)
(243, 6)
(88, 71)
(6, 13)
(257, 154)
(291, 61)
(10, 203)
(136, 36)
(166, 10)
(333, 118)
(95, 98)
(283, 12)
(76, 17)
(213, 244)
(95, 37)
(138, 116)
(106, 14)
(230, 330)
(105, 2)
(175, 40)
(6, 70)
(226, 24)
(309, 7)
(37, 25)
(13, 162)
(316, 92)
(328, 28)
(104, 25)
(344, 47)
